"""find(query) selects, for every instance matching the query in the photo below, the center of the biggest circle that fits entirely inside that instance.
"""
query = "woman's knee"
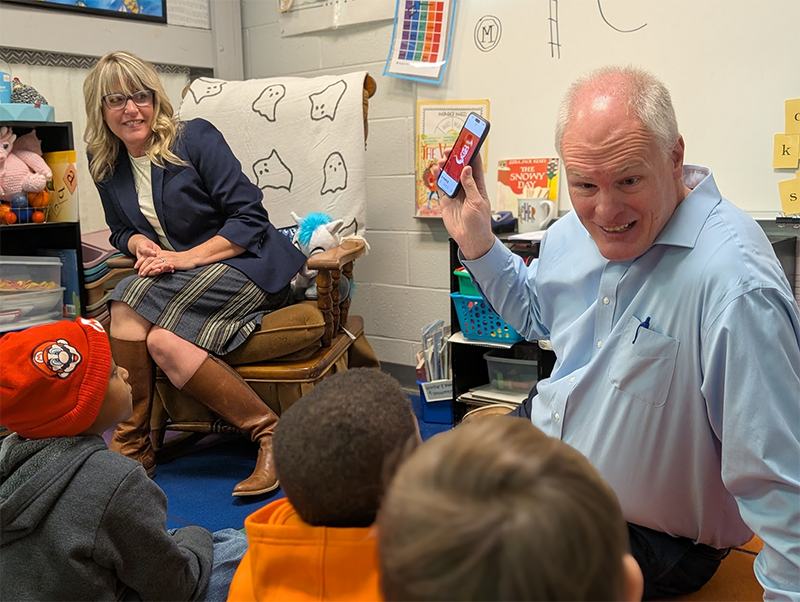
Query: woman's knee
(126, 323)
(166, 347)
(160, 344)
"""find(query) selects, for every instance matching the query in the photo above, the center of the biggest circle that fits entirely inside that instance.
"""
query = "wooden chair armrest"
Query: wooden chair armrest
(349, 250)
(120, 263)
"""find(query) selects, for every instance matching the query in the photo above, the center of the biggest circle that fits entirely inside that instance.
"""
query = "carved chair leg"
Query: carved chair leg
(344, 306)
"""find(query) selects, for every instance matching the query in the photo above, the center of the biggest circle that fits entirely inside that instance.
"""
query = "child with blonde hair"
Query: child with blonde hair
(497, 510)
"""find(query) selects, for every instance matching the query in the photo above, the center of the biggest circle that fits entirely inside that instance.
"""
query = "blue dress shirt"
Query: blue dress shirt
(677, 373)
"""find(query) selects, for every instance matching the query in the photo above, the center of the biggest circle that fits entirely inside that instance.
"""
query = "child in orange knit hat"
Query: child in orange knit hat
(79, 520)
(334, 450)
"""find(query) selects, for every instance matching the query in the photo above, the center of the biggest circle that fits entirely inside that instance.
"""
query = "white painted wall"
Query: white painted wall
(403, 283)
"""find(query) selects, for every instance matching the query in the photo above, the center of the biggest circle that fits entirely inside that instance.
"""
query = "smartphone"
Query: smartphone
(467, 145)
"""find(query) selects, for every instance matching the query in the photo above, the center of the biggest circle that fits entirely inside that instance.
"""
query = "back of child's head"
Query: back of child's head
(497, 510)
(54, 378)
(336, 447)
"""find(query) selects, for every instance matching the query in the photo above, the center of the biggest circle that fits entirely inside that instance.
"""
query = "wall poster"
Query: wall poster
(140, 10)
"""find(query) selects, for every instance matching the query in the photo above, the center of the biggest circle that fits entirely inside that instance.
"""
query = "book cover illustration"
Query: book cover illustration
(526, 179)
(438, 125)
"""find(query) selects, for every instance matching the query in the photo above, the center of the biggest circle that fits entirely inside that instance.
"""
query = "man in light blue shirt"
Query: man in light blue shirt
(676, 334)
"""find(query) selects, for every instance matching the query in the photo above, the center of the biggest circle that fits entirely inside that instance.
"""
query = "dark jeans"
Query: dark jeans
(671, 566)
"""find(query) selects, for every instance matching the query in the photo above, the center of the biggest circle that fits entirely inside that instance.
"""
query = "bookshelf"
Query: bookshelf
(31, 239)
(469, 367)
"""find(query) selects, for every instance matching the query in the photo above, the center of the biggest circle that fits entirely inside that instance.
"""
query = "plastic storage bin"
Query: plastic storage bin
(29, 274)
(479, 322)
(466, 286)
(29, 309)
(518, 373)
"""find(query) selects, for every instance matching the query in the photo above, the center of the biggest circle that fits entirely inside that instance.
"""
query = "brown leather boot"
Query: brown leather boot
(218, 387)
(132, 437)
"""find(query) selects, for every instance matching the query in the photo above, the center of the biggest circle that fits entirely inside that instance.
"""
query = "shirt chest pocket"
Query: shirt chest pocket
(643, 370)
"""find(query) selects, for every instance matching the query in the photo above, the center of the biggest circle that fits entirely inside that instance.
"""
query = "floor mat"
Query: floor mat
(199, 481)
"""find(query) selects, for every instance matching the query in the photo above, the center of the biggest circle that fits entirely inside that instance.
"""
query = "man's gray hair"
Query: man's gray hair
(647, 97)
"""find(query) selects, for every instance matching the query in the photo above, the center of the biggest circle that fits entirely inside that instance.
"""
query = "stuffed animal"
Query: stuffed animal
(317, 232)
(22, 168)
(25, 94)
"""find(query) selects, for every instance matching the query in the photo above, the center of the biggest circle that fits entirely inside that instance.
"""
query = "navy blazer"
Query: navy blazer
(194, 202)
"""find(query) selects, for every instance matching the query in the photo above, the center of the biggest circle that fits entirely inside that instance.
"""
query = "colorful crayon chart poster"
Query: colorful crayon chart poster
(421, 39)
(438, 125)
(526, 179)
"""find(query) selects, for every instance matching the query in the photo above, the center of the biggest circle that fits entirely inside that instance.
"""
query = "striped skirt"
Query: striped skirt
(216, 307)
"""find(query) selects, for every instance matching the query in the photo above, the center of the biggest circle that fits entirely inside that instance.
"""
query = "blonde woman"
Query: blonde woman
(210, 264)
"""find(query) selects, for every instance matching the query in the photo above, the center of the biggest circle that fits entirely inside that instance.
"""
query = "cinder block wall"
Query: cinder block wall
(403, 284)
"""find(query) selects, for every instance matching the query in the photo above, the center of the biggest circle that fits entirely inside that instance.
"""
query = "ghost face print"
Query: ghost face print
(268, 100)
(325, 103)
(203, 88)
(334, 173)
(272, 172)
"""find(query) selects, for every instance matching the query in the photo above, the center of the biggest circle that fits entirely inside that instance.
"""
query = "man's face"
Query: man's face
(623, 189)
(465, 149)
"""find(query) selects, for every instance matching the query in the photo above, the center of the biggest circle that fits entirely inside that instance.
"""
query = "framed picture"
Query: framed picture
(154, 11)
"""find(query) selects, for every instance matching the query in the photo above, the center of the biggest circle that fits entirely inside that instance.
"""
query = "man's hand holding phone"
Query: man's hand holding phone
(468, 215)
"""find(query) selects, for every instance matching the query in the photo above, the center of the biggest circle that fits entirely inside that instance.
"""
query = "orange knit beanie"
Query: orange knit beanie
(54, 378)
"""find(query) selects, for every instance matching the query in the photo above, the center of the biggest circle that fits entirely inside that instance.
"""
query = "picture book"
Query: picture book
(526, 179)
(438, 125)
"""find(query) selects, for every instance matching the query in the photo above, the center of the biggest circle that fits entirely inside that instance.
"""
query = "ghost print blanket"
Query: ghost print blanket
(300, 140)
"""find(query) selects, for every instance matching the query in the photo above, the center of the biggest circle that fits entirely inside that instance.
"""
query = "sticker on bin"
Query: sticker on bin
(437, 390)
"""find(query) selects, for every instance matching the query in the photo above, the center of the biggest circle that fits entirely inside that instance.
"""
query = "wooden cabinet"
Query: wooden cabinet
(30, 239)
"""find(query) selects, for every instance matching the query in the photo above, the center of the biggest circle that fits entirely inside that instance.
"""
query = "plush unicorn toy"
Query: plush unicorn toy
(317, 232)
(22, 168)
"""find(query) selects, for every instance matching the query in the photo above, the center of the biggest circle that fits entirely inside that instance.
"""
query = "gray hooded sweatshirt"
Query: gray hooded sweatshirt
(80, 522)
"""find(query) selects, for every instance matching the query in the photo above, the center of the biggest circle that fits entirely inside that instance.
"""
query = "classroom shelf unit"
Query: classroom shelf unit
(31, 239)
(469, 366)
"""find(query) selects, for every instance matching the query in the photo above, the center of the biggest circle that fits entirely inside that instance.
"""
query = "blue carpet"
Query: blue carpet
(198, 484)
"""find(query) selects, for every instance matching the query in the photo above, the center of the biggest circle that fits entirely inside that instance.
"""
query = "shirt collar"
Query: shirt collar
(687, 221)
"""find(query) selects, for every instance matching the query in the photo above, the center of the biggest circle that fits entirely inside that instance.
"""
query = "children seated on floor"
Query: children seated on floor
(497, 510)
(334, 450)
(79, 521)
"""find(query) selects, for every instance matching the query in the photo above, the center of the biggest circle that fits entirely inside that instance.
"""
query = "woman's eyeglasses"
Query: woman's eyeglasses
(116, 102)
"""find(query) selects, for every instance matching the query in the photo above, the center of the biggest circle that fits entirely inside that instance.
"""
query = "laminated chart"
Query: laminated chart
(420, 40)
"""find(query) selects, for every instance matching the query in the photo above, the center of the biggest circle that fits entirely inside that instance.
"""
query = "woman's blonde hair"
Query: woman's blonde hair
(125, 73)
(497, 510)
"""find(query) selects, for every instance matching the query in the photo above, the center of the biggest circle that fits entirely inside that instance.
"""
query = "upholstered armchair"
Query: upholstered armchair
(301, 344)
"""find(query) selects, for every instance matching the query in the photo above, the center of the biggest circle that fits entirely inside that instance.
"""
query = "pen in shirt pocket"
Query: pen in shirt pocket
(645, 325)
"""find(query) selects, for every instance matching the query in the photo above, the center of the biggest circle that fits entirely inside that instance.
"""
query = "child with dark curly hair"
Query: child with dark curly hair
(334, 451)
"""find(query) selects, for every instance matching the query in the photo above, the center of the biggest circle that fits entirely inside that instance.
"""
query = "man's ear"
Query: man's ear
(676, 158)
(634, 581)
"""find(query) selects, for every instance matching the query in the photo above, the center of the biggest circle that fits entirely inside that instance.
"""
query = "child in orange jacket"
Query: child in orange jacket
(334, 451)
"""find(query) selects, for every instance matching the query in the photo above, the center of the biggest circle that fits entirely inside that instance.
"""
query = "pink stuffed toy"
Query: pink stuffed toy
(22, 168)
